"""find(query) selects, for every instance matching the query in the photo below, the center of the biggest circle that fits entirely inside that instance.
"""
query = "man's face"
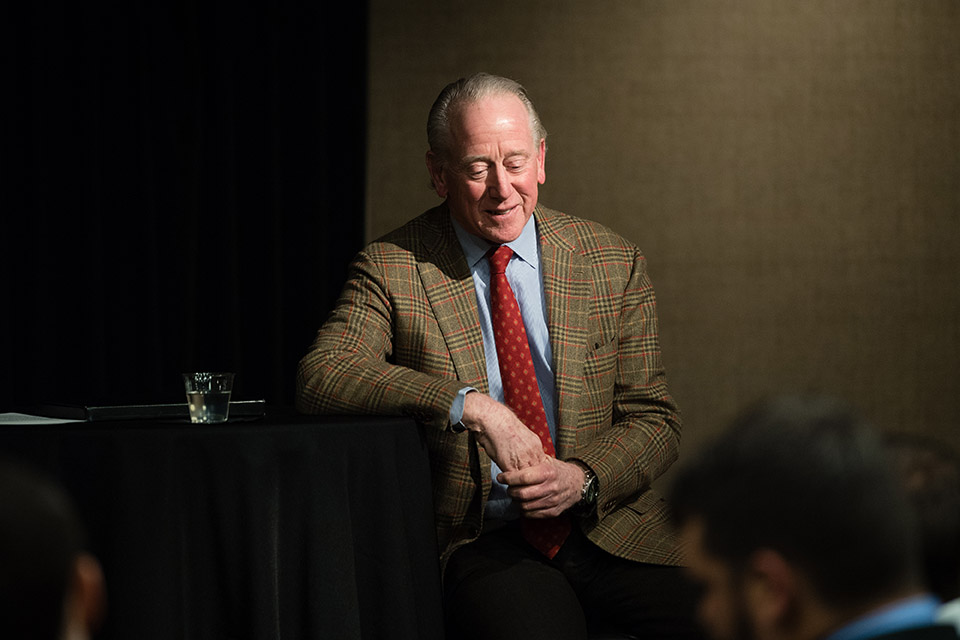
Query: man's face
(723, 610)
(491, 179)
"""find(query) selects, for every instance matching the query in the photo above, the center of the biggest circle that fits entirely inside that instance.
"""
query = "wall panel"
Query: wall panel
(790, 169)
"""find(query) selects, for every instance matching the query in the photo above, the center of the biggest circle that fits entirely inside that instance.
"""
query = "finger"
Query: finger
(541, 509)
(518, 478)
(510, 478)
(532, 475)
(529, 494)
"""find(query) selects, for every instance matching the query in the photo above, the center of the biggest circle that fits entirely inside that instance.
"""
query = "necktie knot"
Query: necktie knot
(499, 259)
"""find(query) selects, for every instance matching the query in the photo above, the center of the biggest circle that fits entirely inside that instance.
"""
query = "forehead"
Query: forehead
(498, 119)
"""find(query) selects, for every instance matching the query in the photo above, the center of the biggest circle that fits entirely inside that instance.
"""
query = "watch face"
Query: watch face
(590, 494)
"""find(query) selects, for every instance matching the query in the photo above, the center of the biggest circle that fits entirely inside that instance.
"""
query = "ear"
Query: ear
(86, 602)
(542, 162)
(437, 177)
(772, 590)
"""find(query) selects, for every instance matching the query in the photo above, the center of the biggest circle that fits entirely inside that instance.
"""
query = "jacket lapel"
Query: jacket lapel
(450, 292)
(567, 287)
(451, 295)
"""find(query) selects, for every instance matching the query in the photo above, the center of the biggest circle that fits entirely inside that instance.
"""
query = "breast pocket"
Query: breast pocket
(601, 356)
(599, 379)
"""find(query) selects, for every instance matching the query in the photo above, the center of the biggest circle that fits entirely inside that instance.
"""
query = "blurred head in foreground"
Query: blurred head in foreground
(930, 472)
(795, 523)
(50, 588)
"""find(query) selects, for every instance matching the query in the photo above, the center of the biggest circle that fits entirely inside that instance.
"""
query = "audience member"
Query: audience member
(50, 588)
(798, 529)
(931, 474)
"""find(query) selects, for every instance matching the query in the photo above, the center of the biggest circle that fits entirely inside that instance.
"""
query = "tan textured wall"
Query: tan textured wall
(790, 169)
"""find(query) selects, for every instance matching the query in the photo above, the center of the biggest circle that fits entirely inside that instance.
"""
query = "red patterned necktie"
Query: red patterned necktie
(520, 390)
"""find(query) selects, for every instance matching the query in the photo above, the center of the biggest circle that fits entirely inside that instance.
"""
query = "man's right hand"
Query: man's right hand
(498, 430)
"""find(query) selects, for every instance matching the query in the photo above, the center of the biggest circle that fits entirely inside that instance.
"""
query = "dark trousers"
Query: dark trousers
(499, 587)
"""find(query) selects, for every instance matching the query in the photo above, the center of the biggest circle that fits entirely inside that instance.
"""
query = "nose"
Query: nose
(499, 186)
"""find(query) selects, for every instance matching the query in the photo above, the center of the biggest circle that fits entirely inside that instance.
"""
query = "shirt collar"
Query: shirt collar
(475, 248)
(918, 611)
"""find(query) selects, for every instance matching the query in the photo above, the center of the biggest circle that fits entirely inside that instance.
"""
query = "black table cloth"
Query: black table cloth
(286, 527)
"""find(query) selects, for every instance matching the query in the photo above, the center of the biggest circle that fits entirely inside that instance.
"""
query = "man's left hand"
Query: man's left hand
(545, 490)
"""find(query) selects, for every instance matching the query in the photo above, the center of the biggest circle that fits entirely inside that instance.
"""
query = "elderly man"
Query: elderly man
(525, 342)
(799, 529)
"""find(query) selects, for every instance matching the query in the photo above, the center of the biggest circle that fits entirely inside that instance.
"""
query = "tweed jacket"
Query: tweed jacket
(404, 338)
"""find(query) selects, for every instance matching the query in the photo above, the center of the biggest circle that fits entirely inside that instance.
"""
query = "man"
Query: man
(798, 529)
(545, 518)
(930, 471)
(50, 588)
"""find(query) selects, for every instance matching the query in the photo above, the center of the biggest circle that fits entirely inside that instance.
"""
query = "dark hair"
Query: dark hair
(808, 478)
(40, 538)
(930, 472)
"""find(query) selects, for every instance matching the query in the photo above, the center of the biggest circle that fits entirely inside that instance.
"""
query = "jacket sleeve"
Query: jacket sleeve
(351, 367)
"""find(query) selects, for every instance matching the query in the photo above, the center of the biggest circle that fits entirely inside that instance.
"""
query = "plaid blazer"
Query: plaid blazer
(404, 338)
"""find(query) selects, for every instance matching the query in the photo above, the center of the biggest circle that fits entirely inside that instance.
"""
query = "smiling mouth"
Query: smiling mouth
(501, 212)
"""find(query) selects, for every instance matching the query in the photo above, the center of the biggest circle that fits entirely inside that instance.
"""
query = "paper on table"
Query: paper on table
(25, 419)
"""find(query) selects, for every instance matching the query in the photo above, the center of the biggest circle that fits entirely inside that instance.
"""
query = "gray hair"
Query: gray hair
(469, 91)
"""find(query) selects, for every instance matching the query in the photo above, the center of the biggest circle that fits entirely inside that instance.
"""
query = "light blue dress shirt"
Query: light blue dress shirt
(526, 280)
(919, 611)
(949, 613)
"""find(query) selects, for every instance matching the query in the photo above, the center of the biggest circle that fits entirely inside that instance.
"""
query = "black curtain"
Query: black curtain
(185, 190)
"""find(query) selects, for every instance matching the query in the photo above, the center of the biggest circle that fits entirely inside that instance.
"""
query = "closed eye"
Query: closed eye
(476, 172)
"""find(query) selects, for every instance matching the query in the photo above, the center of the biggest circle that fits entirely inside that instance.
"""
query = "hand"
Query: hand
(547, 489)
(498, 430)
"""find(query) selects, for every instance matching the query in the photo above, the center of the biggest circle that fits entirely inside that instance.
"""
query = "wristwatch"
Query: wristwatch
(588, 493)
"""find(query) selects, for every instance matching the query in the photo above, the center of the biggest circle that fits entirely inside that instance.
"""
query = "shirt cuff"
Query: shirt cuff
(456, 409)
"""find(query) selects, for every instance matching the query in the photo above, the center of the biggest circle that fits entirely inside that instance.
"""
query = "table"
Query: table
(287, 527)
